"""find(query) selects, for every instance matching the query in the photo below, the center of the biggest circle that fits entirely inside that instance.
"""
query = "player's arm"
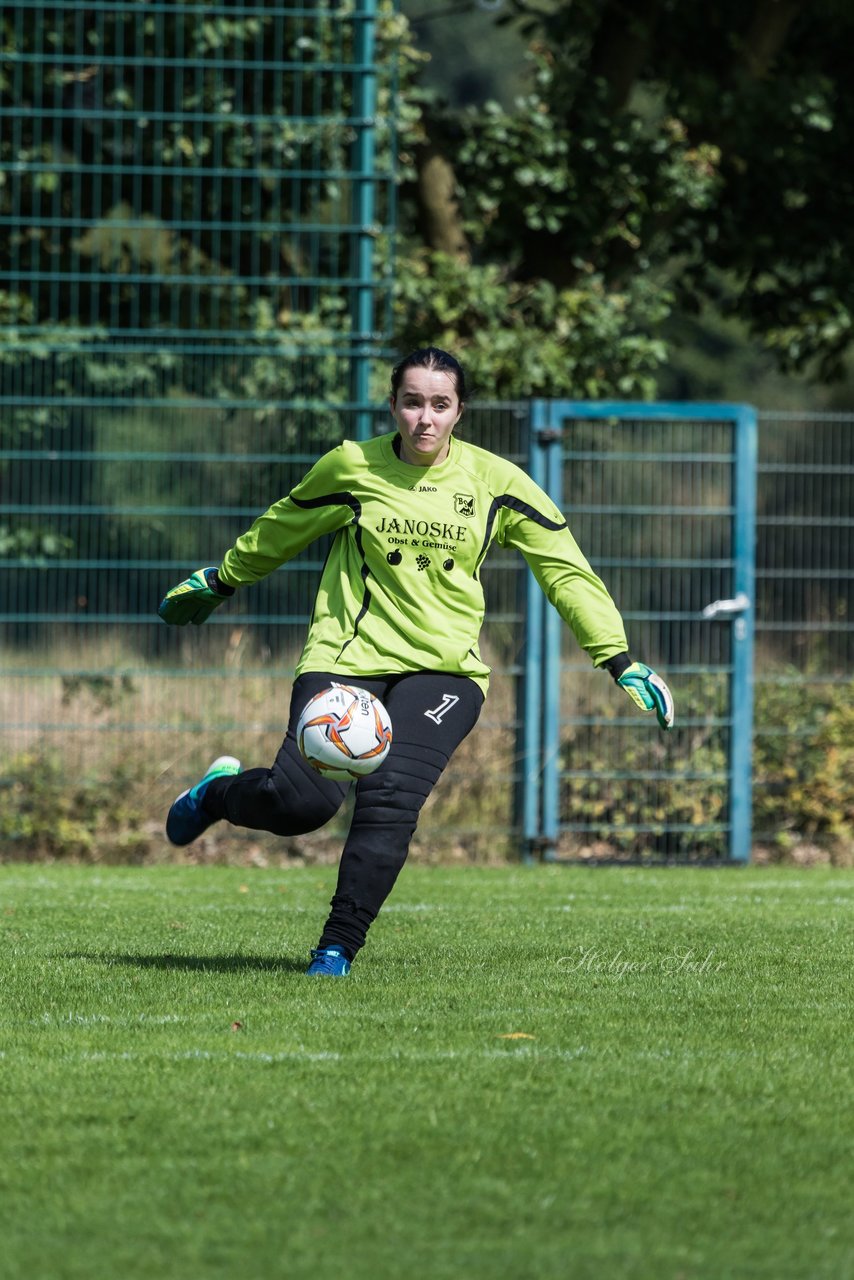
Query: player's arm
(536, 526)
(314, 507)
(319, 504)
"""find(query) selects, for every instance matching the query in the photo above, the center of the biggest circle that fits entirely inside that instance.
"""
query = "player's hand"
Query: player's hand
(649, 692)
(194, 599)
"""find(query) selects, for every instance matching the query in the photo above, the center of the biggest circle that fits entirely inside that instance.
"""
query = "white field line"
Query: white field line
(523, 1051)
(99, 1019)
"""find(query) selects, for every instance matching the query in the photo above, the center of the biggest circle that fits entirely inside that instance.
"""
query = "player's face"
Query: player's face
(426, 410)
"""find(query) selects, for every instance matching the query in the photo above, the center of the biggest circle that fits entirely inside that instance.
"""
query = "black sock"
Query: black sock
(346, 927)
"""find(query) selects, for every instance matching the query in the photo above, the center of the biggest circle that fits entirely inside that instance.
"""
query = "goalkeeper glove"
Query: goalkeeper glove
(194, 599)
(645, 688)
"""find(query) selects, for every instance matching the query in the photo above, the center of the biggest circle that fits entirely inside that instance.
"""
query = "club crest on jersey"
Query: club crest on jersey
(464, 504)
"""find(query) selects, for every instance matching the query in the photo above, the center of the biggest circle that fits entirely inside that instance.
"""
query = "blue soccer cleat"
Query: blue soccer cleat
(329, 962)
(187, 820)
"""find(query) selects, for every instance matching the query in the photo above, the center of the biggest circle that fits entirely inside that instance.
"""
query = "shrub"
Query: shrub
(110, 809)
(52, 812)
(804, 764)
(803, 775)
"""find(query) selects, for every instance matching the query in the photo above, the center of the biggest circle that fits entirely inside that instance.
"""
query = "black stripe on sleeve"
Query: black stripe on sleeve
(330, 500)
(351, 501)
(515, 504)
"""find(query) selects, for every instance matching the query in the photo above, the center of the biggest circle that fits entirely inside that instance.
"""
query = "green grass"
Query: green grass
(679, 1106)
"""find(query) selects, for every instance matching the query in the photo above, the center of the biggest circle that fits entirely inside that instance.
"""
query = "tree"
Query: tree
(666, 153)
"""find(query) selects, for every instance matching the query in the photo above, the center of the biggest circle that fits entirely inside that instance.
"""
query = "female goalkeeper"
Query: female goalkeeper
(398, 611)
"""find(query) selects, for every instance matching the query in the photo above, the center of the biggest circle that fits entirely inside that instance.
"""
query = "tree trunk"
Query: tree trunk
(767, 35)
(622, 45)
(442, 225)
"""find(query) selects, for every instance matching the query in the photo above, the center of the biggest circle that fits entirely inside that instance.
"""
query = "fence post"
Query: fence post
(363, 213)
(538, 738)
(741, 731)
(529, 701)
(550, 442)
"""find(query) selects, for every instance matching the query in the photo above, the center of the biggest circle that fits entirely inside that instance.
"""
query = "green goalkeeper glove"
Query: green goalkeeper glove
(194, 599)
(649, 692)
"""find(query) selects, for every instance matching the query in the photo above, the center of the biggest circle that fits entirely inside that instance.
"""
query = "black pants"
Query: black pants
(430, 714)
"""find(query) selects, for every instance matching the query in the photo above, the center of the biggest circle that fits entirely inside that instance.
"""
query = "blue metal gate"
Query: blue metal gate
(661, 498)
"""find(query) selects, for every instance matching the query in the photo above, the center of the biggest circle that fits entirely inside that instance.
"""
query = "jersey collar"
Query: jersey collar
(391, 447)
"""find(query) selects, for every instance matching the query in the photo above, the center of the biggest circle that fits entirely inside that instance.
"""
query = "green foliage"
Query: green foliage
(58, 357)
(590, 183)
(803, 773)
(104, 692)
(528, 338)
(33, 545)
(202, 229)
(638, 786)
(803, 785)
(804, 776)
(598, 198)
(676, 142)
(50, 811)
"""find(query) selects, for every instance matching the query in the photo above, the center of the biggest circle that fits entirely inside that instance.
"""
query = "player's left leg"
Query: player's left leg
(430, 714)
(288, 799)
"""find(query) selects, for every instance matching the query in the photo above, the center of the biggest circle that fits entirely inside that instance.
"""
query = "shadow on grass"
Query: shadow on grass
(200, 964)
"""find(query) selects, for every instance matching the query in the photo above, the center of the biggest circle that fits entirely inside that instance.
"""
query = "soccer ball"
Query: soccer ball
(344, 732)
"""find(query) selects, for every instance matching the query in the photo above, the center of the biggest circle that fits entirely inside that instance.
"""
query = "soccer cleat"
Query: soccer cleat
(187, 820)
(329, 961)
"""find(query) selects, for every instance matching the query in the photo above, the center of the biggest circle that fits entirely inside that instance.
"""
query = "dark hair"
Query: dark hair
(430, 358)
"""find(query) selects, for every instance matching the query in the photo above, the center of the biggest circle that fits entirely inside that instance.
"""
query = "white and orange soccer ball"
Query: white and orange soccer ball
(344, 732)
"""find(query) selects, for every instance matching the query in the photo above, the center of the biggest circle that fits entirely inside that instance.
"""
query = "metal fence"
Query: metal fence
(730, 552)
(196, 215)
(91, 678)
(662, 496)
(804, 670)
(197, 205)
(90, 675)
(196, 209)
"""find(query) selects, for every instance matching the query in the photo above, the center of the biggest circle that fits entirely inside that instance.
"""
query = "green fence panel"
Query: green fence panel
(662, 499)
(91, 677)
(196, 208)
(804, 680)
(196, 220)
(712, 549)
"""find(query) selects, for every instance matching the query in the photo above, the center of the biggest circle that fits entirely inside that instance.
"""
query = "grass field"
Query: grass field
(532, 1072)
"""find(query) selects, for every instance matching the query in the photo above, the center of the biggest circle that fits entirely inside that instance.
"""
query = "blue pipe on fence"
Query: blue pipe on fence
(551, 671)
(741, 699)
(363, 214)
(530, 737)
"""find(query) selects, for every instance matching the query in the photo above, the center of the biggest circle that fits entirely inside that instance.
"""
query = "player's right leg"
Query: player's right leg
(431, 713)
(288, 799)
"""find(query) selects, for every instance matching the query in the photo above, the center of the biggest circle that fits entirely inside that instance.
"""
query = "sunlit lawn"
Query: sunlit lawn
(531, 1072)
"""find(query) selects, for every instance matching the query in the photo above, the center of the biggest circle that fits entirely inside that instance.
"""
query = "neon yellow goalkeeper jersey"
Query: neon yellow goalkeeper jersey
(401, 590)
